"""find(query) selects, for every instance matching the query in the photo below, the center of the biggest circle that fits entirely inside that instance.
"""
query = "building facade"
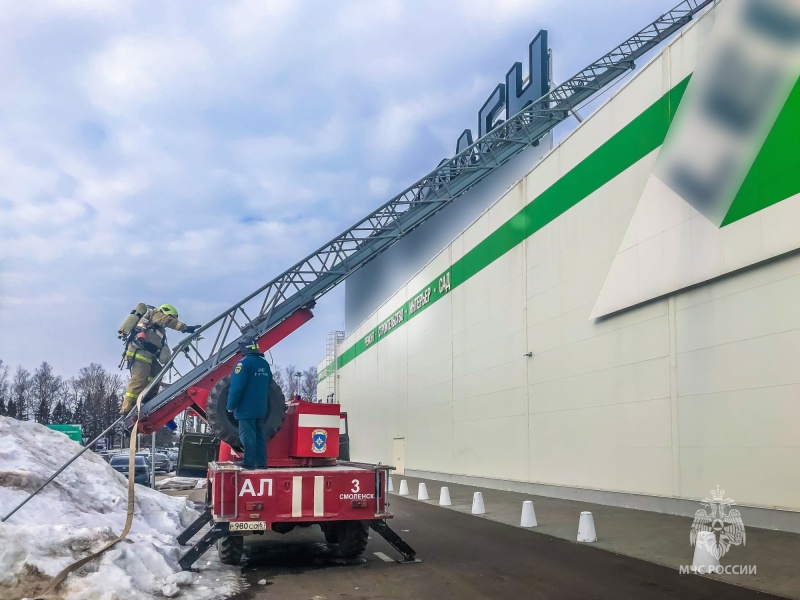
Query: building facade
(609, 329)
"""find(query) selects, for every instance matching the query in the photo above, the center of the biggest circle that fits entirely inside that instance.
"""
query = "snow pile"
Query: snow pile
(81, 510)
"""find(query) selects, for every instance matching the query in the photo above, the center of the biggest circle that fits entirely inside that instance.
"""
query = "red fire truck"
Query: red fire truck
(305, 483)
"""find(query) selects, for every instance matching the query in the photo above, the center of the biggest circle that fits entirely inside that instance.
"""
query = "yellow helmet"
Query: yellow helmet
(168, 309)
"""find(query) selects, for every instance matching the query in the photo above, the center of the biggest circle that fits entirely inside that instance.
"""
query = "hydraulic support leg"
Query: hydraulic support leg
(196, 526)
(203, 544)
(386, 532)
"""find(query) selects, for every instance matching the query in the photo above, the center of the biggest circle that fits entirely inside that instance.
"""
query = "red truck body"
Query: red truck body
(255, 500)
(305, 482)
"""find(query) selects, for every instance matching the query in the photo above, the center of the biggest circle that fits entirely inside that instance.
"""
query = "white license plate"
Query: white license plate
(247, 525)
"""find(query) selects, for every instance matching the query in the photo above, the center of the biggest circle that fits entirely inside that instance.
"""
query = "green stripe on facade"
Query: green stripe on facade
(629, 145)
(324, 374)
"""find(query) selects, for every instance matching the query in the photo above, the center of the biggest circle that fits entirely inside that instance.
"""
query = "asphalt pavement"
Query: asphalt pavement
(464, 557)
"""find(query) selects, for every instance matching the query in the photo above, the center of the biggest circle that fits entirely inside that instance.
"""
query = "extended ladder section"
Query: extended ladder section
(301, 285)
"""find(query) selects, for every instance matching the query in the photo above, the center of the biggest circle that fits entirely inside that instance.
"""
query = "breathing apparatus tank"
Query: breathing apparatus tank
(131, 320)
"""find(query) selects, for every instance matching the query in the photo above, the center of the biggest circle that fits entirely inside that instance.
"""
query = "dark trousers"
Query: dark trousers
(251, 433)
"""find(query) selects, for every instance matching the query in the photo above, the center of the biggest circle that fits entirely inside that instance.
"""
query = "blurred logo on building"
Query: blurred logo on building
(726, 180)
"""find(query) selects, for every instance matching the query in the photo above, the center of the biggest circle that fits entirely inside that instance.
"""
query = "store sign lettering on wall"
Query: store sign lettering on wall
(438, 288)
(508, 98)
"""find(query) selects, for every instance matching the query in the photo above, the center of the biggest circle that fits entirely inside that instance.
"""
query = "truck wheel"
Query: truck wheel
(352, 537)
(330, 532)
(225, 425)
(230, 549)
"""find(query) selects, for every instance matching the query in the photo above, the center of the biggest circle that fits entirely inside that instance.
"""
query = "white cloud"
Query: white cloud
(137, 70)
(190, 153)
(378, 186)
(247, 19)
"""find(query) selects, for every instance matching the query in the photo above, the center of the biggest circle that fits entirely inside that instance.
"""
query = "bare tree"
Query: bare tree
(308, 384)
(286, 378)
(70, 398)
(277, 375)
(99, 395)
(21, 392)
(5, 389)
(289, 385)
(45, 388)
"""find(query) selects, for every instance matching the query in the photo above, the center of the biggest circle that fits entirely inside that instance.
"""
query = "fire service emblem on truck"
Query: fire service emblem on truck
(319, 439)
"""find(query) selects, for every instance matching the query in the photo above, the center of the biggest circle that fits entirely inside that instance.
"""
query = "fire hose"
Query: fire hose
(49, 592)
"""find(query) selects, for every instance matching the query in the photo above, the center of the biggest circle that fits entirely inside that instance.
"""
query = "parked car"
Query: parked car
(141, 467)
(163, 463)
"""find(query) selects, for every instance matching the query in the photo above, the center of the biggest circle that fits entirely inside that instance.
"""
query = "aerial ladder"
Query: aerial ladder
(279, 307)
(198, 372)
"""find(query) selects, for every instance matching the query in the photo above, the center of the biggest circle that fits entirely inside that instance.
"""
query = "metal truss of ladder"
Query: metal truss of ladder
(305, 282)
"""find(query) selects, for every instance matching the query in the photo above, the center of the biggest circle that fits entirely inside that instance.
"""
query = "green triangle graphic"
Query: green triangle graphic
(775, 174)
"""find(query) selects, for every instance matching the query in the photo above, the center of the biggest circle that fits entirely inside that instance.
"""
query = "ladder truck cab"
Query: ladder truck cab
(305, 483)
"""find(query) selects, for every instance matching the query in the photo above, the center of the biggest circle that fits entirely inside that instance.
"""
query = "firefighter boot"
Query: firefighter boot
(127, 404)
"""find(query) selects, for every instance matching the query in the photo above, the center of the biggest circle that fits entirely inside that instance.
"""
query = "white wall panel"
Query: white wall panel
(507, 206)
(779, 227)
(645, 380)
(755, 363)
(643, 470)
(630, 425)
(497, 403)
(546, 173)
(735, 283)
(573, 326)
(761, 418)
(492, 447)
(429, 446)
(732, 318)
(668, 398)
(492, 380)
(753, 476)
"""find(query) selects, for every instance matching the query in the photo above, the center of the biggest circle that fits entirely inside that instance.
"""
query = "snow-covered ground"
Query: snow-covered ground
(81, 510)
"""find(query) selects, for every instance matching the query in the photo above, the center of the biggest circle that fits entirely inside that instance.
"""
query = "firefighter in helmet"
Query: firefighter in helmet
(146, 349)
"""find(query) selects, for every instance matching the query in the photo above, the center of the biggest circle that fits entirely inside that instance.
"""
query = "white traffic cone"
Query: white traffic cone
(403, 487)
(391, 485)
(704, 562)
(444, 497)
(586, 532)
(422, 492)
(528, 518)
(477, 504)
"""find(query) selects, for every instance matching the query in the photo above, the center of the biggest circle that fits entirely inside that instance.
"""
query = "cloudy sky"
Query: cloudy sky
(188, 152)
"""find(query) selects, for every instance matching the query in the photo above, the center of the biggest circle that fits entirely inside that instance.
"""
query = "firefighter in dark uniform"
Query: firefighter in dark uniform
(148, 345)
(248, 401)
